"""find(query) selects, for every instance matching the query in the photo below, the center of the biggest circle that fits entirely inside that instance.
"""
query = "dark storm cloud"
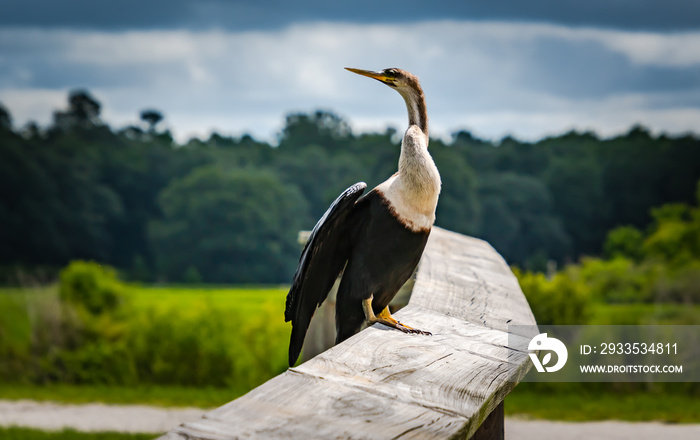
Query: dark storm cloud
(587, 69)
(657, 15)
(526, 79)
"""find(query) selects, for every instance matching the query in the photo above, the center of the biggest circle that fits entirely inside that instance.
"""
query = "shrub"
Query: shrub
(204, 349)
(171, 348)
(619, 280)
(562, 300)
(680, 285)
(197, 346)
(90, 285)
(625, 242)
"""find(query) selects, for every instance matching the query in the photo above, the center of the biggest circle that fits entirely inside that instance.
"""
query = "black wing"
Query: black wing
(322, 259)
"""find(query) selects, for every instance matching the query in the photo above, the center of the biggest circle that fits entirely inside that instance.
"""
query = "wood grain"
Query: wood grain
(384, 384)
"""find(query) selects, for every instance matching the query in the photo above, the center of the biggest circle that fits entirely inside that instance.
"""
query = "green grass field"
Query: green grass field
(246, 301)
(189, 300)
(157, 395)
(18, 310)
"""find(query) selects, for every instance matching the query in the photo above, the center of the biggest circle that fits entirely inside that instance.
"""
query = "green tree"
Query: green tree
(578, 199)
(5, 119)
(459, 208)
(83, 112)
(518, 219)
(152, 118)
(320, 128)
(54, 206)
(624, 241)
(235, 226)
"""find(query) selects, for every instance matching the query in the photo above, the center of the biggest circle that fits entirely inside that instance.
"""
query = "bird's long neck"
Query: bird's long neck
(417, 170)
(413, 191)
(417, 111)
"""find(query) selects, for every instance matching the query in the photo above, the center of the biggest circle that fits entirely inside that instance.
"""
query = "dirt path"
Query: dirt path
(94, 416)
(139, 418)
(608, 430)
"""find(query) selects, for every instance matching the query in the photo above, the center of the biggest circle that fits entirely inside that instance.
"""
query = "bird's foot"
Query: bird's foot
(385, 318)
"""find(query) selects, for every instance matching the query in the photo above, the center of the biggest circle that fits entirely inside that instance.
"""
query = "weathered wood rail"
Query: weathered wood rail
(383, 384)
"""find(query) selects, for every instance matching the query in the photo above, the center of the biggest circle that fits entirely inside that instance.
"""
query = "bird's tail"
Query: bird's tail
(296, 341)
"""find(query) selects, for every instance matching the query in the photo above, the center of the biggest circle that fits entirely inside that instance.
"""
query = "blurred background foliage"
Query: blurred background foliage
(94, 329)
(660, 265)
(227, 209)
(599, 231)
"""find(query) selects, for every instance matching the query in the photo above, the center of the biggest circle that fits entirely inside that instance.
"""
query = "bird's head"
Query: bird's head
(395, 78)
(408, 86)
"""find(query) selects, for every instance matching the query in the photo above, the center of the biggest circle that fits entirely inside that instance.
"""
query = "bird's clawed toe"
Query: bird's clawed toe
(384, 317)
(421, 332)
(401, 327)
(412, 330)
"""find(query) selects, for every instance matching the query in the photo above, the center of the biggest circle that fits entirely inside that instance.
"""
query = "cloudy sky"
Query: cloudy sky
(528, 69)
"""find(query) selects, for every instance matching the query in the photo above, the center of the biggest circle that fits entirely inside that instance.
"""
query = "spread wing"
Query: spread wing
(322, 259)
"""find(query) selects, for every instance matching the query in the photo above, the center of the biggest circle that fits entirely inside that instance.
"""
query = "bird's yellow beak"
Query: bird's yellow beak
(379, 76)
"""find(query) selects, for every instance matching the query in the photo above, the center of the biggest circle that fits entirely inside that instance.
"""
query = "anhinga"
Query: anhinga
(377, 238)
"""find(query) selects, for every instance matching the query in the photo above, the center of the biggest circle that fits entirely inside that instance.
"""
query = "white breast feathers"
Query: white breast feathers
(413, 192)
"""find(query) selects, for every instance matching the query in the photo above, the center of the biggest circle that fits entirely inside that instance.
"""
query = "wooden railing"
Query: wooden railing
(384, 384)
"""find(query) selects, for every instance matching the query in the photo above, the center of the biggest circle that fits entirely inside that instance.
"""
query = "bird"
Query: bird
(376, 240)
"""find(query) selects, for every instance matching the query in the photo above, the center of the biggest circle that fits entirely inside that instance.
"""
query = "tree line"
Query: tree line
(228, 209)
